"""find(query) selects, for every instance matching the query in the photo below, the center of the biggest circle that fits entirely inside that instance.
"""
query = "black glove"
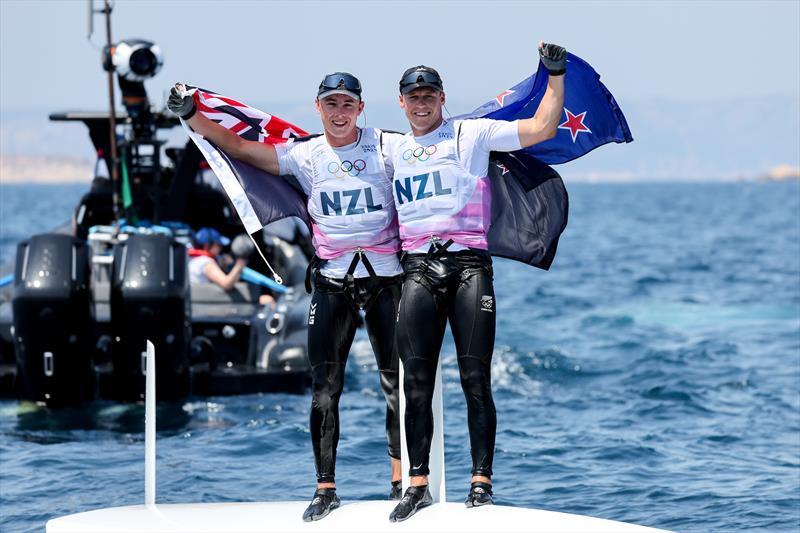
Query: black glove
(554, 58)
(181, 103)
(242, 247)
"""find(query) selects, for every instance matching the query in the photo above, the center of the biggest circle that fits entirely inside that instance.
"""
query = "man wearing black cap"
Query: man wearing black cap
(348, 183)
(443, 200)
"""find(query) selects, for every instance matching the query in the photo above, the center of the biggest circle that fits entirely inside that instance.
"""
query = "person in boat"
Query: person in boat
(442, 198)
(206, 261)
(347, 179)
(204, 266)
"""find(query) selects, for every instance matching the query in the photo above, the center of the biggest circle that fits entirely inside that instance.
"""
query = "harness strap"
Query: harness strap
(436, 249)
(359, 255)
(311, 269)
(368, 265)
(350, 280)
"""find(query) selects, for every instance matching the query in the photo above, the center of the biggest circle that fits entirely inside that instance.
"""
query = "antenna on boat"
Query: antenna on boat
(150, 426)
(91, 20)
(112, 117)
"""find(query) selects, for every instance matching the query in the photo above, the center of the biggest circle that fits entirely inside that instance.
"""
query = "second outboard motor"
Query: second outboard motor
(53, 313)
(150, 300)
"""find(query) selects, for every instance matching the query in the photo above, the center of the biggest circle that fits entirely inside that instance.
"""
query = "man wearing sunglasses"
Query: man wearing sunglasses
(348, 183)
(443, 202)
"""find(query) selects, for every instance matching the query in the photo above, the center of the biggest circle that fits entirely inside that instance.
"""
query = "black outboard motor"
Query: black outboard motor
(150, 300)
(53, 314)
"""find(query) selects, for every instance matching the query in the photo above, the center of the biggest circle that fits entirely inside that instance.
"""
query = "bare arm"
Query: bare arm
(215, 274)
(544, 123)
(258, 154)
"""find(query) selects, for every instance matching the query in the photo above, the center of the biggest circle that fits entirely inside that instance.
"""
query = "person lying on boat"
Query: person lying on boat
(204, 266)
(206, 259)
(347, 179)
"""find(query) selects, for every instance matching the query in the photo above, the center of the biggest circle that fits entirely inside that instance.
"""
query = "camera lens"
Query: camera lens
(143, 62)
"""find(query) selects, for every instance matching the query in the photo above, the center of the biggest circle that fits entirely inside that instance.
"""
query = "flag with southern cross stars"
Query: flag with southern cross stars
(591, 116)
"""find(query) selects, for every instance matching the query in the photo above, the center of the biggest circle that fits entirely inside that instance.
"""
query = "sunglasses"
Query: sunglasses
(340, 80)
(421, 76)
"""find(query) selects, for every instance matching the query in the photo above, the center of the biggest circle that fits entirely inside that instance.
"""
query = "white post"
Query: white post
(437, 475)
(150, 427)
(403, 447)
(436, 478)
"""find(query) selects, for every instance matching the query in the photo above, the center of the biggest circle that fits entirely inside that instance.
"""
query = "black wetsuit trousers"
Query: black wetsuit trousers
(454, 286)
(332, 323)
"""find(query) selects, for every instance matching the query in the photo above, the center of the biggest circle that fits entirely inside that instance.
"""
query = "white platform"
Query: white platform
(366, 516)
(353, 517)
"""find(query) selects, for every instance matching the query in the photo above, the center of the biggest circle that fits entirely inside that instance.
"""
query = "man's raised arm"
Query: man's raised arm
(257, 154)
(544, 123)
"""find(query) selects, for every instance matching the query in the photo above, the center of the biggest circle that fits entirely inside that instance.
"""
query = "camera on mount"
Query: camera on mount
(134, 61)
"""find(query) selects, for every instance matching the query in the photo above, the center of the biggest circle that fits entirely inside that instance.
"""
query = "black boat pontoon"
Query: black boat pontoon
(81, 301)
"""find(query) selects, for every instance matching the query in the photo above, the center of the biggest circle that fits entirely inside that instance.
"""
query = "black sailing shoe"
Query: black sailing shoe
(414, 499)
(397, 490)
(325, 501)
(479, 494)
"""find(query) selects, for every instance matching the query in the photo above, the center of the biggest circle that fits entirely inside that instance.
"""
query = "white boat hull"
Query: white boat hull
(365, 516)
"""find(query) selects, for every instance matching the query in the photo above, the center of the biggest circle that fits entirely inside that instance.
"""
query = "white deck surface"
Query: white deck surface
(353, 517)
(366, 516)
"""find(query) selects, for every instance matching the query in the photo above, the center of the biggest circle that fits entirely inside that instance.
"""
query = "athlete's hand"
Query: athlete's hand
(181, 103)
(554, 58)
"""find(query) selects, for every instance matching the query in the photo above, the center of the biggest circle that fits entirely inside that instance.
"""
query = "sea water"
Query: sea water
(651, 376)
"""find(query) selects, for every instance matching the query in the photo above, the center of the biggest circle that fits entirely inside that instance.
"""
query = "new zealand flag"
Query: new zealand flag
(529, 201)
(591, 116)
(530, 204)
(258, 197)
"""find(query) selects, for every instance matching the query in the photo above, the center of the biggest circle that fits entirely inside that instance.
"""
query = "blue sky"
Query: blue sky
(710, 89)
(264, 51)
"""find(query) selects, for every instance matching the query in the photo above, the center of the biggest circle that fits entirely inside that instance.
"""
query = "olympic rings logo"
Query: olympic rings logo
(353, 168)
(419, 154)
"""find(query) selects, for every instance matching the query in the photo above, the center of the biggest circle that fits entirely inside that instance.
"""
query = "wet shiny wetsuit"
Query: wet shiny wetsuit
(443, 200)
(356, 267)
(333, 319)
(454, 286)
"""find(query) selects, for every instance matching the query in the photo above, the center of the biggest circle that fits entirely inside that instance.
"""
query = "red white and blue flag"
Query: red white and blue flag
(530, 204)
(591, 116)
(258, 197)
(528, 197)
(245, 121)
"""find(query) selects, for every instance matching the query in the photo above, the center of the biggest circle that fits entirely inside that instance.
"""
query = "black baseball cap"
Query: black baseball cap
(339, 83)
(420, 76)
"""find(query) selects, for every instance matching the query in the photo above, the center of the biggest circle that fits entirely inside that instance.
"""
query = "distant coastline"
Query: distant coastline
(781, 173)
(44, 169)
(21, 169)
